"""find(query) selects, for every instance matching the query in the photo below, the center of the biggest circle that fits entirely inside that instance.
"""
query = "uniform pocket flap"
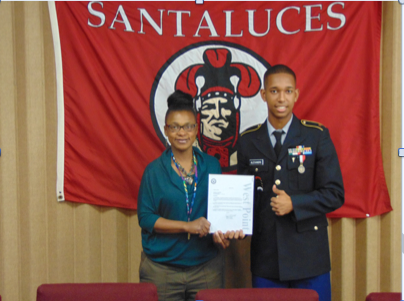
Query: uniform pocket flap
(311, 224)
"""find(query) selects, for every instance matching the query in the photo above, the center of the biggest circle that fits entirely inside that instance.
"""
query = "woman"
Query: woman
(181, 257)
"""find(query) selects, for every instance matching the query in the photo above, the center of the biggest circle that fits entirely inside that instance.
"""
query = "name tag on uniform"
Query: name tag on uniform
(256, 162)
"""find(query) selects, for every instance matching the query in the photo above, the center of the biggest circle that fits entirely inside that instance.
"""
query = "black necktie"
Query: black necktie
(278, 144)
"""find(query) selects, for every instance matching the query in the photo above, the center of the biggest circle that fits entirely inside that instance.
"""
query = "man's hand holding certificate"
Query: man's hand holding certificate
(230, 203)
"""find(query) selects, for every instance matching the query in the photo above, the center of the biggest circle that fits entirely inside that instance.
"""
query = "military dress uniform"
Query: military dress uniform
(294, 246)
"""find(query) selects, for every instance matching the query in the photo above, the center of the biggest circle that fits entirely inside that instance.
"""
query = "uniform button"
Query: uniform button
(315, 228)
(256, 169)
(278, 167)
(278, 182)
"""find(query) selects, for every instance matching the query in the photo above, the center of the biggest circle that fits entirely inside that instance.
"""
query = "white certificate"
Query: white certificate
(230, 203)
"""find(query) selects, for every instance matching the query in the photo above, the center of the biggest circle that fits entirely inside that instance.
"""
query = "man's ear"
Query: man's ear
(262, 92)
(297, 92)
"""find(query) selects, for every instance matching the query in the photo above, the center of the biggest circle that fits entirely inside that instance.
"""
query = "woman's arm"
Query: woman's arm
(199, 226)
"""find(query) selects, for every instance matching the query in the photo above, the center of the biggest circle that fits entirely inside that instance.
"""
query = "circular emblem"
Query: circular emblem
(213, 181)
(224, 80)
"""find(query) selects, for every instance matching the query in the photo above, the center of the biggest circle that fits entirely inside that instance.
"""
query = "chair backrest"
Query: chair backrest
(262, 294)
(384, 297)
(97, 292)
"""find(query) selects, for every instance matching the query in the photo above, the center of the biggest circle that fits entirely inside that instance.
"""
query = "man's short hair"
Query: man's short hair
(279, 69)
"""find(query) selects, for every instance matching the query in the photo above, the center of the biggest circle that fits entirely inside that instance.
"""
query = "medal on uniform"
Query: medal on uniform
(301, 169)
(300, 151)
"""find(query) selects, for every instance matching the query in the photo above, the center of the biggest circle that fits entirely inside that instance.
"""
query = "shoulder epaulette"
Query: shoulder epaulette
(251, 129)
(312, 124)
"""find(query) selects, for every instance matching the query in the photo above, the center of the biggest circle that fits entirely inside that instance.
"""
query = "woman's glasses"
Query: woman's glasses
(175, 128)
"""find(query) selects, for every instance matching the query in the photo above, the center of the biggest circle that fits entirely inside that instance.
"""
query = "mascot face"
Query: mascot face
(217, 86)
(217, 113)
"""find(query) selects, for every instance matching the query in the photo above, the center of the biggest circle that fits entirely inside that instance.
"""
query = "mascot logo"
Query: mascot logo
(224, 80)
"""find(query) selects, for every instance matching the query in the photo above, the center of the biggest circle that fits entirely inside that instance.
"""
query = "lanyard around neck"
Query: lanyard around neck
(189, 206)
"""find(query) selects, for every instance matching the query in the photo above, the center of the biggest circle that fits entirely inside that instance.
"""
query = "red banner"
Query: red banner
(118, 61)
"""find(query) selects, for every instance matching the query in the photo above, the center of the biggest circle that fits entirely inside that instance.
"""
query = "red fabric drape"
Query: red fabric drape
(121, 59)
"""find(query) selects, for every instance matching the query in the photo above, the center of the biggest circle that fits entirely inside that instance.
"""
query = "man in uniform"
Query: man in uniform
(298, 181)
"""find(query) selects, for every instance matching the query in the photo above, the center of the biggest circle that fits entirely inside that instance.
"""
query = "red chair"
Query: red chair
(262, 294)
(97, 292)
(384, 297)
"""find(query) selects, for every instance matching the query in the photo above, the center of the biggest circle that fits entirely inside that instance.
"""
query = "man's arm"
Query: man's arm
(328, 193)
(242, 160)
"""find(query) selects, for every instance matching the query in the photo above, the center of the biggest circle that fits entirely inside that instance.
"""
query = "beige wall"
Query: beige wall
(42, 241)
